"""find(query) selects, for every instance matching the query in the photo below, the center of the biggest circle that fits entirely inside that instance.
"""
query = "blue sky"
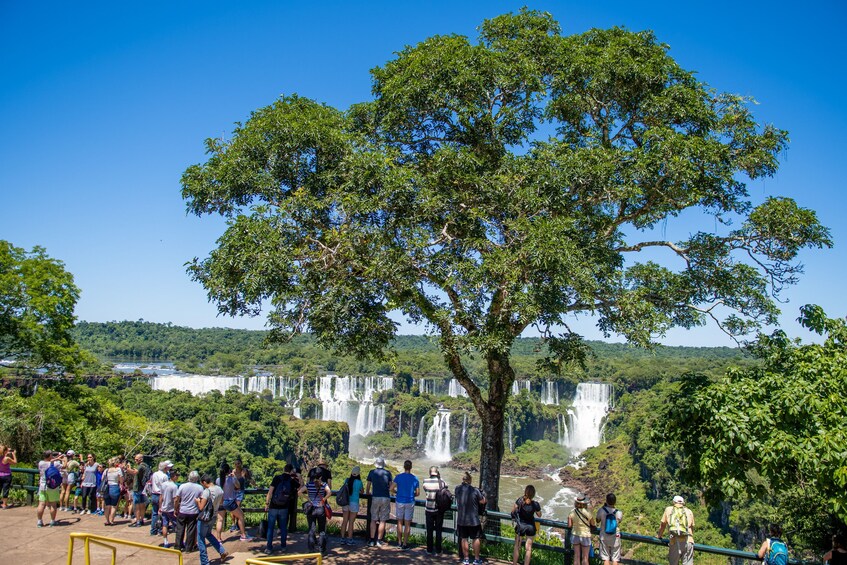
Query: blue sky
(103, 105)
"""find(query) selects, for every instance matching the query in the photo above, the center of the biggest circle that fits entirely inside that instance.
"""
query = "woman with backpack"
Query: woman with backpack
(524, 511)
(580, 521)
(348, 499)
(317, 493)
(773, 550)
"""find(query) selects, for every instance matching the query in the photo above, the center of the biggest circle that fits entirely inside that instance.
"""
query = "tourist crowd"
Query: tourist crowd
(194, 511)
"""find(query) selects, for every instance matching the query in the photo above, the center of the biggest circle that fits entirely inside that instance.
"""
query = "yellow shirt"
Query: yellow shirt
(580, 522)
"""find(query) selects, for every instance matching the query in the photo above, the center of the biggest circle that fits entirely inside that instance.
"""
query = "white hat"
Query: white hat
(678, 500)
(70, 453)
(380, 462)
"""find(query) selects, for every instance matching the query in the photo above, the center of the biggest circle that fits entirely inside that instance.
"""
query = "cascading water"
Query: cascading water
(400, 425)
(511, 437)
(585, 418)
(519, 385)
(438, 437)
(420, 438)
(456, 390)
(350, 399)
(463, 439)
(549, 393)
(561, 429)
(196, 384)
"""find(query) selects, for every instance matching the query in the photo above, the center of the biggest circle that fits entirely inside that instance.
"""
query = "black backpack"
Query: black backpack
(282, 493)
(342, 497)
(443, 499)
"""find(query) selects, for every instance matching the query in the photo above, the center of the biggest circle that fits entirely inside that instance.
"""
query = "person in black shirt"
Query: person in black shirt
(322, 471)
(525, 509)
(468, 499)
(277, 512)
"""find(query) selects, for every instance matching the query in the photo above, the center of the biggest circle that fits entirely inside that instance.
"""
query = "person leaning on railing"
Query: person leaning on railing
(7, 459)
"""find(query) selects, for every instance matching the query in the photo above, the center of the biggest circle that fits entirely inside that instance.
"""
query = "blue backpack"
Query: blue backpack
(610, 524)
(52, 477)
(778, 555)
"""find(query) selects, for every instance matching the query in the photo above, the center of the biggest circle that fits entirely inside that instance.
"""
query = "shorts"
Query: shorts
(112, 497)
(239, 495)
(380, 508)
(584, 541)
(78, 491)
(49, 495)
(352, 507)
(229, 504)
(470, 532)
(405, 511)
(168, 519)
(610, 548)
(680, 551)
(139, 498)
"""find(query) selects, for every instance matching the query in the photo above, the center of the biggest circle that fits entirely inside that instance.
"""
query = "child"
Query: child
(100, 506)
(74, 490)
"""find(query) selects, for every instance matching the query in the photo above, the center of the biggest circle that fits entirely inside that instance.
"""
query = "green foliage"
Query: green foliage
(194, 432)
(774, 432)
(37, 301)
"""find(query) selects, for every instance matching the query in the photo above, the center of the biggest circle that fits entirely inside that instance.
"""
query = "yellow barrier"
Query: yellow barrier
(104, 541)
(281, 558)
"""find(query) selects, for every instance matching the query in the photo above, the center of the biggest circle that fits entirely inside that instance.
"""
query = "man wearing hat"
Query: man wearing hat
(379, 481)
(679, 521)
(322, 471)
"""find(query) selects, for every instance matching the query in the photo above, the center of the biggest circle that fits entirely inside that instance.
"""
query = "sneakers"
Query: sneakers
(466, 561)
(246, 538)
(371, 543)
(53, 523)
(233, 528)
(379, 543)
(477, 562)
(39, 524)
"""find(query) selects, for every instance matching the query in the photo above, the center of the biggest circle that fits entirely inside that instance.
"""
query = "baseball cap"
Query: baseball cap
(380, 462)
(70, 453)
(678, 500)
(356, 470)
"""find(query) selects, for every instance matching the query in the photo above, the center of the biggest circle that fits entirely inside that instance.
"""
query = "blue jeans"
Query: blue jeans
(277, 518)
(204, 534)
(155, 528)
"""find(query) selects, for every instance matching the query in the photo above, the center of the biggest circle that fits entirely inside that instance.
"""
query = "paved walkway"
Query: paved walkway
(24, 543)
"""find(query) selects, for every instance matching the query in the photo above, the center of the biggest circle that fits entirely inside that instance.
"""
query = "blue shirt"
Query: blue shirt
(355, 489)
(406, 483)
(380, 480)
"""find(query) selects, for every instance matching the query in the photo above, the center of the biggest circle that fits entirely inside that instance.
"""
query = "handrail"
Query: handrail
(283, 558)
(103, 541)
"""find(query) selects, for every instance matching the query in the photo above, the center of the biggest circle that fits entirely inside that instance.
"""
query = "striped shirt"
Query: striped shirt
(431, 486)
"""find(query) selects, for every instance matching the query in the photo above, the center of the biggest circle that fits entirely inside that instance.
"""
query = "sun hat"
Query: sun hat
(380, 462)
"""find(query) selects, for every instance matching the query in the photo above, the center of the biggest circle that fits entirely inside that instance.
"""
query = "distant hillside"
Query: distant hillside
(230, 350)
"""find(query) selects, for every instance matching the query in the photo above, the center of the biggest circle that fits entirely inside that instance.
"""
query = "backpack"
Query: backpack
(610, 524)
(679, 521)
(282, 493)
(778, 555)
(342, 497)
(443, 499)
(52, 477)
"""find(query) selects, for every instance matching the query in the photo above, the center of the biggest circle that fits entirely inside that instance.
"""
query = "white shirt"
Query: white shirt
(156, 482)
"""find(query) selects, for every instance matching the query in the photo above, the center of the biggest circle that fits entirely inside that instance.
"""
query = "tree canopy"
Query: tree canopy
(37, 301)
(496, 185)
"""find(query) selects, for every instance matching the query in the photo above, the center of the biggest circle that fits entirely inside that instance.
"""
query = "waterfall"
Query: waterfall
(196, 384)
(426, 386)
(438, 437)
(561, 429)
(511, 438)
(585, 418)
(456, 390)
(519, 385)
(549, 393)
(400, 425)
(350, 399)
(420, 438)
(463, 439)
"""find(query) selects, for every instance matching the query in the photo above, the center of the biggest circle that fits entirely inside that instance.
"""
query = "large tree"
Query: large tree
(493, 186)
(37, 301)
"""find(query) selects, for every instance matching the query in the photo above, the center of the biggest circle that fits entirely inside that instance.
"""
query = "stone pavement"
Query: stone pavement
(25, 544)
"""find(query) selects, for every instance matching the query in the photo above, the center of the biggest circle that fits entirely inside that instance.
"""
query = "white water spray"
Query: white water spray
(438, 437)
(585, 419)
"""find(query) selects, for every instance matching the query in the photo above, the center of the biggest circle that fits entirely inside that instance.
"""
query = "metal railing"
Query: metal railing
(103, 541)
(283, 558)
(30, 481)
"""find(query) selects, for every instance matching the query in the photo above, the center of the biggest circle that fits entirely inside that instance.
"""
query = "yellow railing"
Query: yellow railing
(281, 558)
(103, 541)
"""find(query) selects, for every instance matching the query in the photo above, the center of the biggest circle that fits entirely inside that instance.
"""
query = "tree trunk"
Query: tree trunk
(491, 453)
